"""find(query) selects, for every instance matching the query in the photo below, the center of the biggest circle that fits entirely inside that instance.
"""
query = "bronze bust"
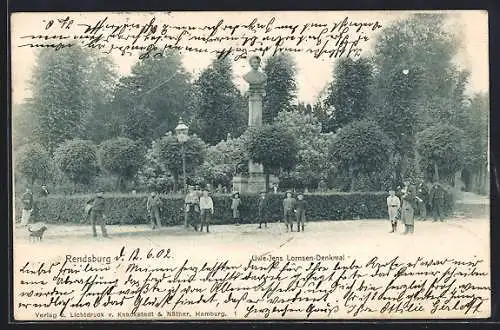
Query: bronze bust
(256, 79)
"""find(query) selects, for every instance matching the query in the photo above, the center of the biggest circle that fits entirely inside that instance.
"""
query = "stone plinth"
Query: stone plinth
(253, 183)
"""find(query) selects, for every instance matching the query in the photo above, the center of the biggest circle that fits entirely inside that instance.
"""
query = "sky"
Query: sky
(313, 74)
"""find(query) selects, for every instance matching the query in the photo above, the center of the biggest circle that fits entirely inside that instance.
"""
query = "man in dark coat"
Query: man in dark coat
(263, 208)
(97, 213)
(436, 201)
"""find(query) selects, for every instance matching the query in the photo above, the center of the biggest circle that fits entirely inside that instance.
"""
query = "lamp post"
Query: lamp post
(181, 131)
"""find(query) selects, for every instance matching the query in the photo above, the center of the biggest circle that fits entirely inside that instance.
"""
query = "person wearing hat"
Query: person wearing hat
(288, 208)
(153, 206)
(393, 205)
(97, 205)
(235, 206)
(300, 211)
(206, 209)
(262, 208)
(191, 207)
(410, 204)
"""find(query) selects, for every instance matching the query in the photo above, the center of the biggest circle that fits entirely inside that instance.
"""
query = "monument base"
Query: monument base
(253, 183)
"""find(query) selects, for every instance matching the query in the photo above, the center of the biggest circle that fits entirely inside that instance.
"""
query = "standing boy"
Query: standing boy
(288, 208)
(97, 213)
(263, 206)
(393, 205)
(206, 209)
(153, 207)
(300, 209)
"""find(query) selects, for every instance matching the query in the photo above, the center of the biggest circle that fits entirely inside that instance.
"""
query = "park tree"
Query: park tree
(78, 160)
(360, 150)
(153, 174)
(221, 107)
(281, 86)
(61, 95)
(275, 147)
(441, 150)
(101, 81)
(24, 125)
(170, 154)
(159, 84)
(33, 163)
(122, 157)
(476, 129)
(416, 80)
(349, 92)
(313, 162)
(225, 160)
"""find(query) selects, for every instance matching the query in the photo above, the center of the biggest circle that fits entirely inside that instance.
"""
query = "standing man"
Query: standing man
(28, 203)
(393, 205)
(191, 208)
(206, 209)
(436, 201)
(423, 194)
(263, 209)
(97, 213)
(288, 210)
(408, 209)
(300, 211)
(153, 207)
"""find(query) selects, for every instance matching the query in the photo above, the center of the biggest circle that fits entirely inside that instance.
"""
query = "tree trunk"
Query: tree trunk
(267, 180)
(353, 178)
(436, 172)
(176, 181)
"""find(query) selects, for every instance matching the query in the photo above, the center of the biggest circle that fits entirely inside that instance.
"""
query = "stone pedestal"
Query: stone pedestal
(253, 183)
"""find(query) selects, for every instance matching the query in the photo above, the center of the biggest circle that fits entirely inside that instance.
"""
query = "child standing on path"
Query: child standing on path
(235, 206)
(288, 208)
(300, 209)
(206, 209)
(393, 205)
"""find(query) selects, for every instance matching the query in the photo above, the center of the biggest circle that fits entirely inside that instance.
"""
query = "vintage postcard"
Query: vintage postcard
(250, 165)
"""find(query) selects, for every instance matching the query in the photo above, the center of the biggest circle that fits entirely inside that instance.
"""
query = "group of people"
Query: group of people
(199, 209)
(403, 204)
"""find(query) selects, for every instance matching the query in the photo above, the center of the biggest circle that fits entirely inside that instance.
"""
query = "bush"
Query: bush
(77, 159)
(131, 209)
(33, 163)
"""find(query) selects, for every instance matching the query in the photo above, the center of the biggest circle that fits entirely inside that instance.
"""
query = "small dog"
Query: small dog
(37, 235)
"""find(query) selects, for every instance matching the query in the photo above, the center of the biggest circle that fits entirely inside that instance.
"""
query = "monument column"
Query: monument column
(255, 182)
(255, 120)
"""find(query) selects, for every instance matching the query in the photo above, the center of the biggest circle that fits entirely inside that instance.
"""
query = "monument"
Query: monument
(255, 181)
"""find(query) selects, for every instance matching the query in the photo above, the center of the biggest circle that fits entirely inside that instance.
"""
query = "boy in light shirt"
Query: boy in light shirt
(206, 209)
(393, 205)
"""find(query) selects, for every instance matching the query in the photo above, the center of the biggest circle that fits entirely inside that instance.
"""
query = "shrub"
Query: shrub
(77, 159)
(33, 163)
(131, 209)
(122, 157)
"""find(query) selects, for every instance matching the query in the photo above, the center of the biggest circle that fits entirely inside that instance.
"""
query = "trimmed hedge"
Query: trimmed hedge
(131, 209)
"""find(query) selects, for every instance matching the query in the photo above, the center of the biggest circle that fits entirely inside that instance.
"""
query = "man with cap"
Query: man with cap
(436, 201)
(206, 209)
(263, 208)
(300, 211)
(97, 204)
(235, 206)
(288, 208)
(393, 206)
(153, 206)
(191, 208)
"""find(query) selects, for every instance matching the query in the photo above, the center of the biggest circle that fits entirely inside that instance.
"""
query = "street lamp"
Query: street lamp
(181, 131)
